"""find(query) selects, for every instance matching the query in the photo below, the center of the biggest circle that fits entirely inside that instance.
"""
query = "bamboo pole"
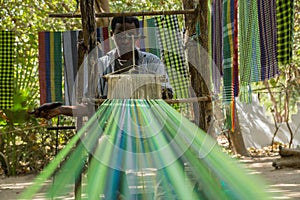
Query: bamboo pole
(116, 14)
(169, 101)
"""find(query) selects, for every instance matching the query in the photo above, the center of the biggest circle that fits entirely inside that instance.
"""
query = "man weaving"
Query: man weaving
(128, 59)
(125, 58)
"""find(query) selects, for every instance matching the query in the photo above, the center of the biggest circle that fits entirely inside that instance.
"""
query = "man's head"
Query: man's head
(122, 20)
(124, 29)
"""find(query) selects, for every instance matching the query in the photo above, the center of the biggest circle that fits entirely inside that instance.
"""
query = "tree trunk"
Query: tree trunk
(197, 59)
(200, 72)
(89, 40)
(100, 7)
(86, 47)
(236, 138)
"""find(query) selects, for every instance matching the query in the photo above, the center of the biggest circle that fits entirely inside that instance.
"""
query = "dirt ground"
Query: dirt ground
(285, 182)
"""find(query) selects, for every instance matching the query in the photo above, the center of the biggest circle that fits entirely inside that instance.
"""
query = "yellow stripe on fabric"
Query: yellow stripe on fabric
(52, 71)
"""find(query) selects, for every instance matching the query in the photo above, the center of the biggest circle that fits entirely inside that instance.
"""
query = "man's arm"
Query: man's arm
(48, 111)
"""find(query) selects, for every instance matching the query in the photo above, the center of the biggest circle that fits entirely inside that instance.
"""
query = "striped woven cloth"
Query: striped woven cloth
(172, 54)
(228, 49)
(235, 52)
(149, 42)
(7, 64)
(268, 38)
(285, 26)
(217, 43)
(50, 66)
(70, 51)
(75, 83)
(249, 40)
(103, 39)
(249, 43)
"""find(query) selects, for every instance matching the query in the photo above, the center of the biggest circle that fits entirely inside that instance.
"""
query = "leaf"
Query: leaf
(273, 82)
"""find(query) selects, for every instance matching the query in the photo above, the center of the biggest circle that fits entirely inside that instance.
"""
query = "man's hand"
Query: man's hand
(167, 93)
(47, 110)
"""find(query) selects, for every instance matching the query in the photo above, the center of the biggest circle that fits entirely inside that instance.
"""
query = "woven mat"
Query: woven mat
(285, 27)
(7, 64)
(50, 67)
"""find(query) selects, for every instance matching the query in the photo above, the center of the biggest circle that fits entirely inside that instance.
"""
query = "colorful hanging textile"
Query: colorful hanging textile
(75, 83)
(285, 26)
(141, 43)
(236, 84)
(70, 51)
(228, 49)
(249, 43)
(103, 39)
(7, 64)
(172, 54)
(50, 66)
(268, 43)
(145, 149)
(149, 41)
(217, 43)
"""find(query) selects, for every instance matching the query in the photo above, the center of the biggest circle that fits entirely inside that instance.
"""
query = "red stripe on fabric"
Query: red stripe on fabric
(235, 51)
(42, 68)
(106, 39)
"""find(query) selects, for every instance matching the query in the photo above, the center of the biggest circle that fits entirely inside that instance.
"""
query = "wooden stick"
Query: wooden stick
(188, 100)
(141, 13)
(169, 101)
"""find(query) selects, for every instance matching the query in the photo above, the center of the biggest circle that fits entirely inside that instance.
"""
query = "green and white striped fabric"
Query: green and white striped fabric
(228, 35)
(172, 54)
(285, 25)
(249, 43)
(7, 64)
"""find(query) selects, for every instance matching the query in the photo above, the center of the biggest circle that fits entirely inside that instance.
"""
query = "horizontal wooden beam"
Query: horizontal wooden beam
(188, 100)
(169, 101)
(116, 14)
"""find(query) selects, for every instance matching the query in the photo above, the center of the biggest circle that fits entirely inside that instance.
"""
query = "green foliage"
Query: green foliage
(26, 19)
(27, 148)
(144, 5)
(30, 147)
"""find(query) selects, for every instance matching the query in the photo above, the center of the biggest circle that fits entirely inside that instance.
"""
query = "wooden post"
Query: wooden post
(202, 110)
(86, 48)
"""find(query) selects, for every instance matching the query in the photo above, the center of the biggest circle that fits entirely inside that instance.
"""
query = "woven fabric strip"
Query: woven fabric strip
(285, 26)
(171, 48)
(268, 38)
(103, 40)
(235, 51)
(217, 43)
(70, 52)
(141, 42)
(106, 42)
(151, 37)
(7, 64)
(249, 41)
(50, 67)
(228, 35)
